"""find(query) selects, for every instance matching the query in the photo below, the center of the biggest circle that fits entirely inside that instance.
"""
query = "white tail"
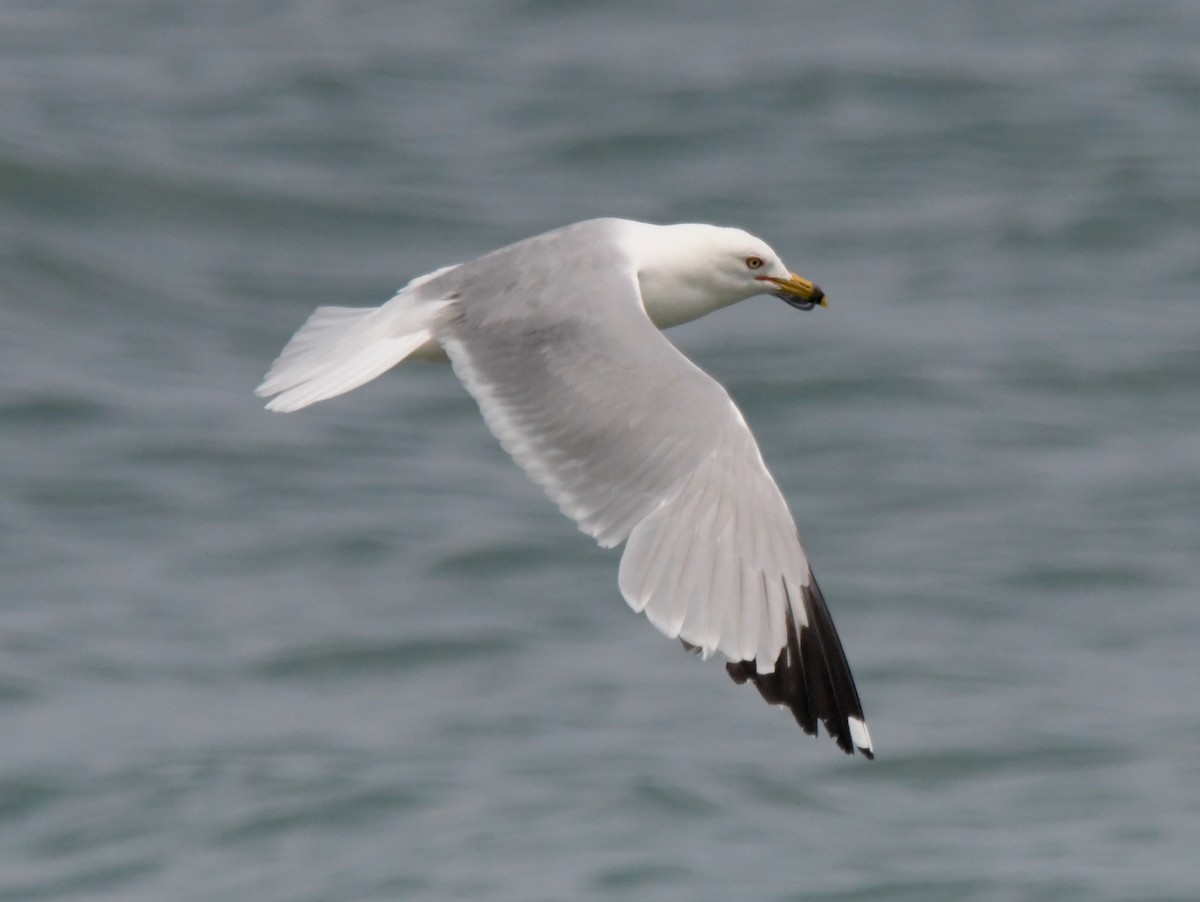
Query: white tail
(340, 348)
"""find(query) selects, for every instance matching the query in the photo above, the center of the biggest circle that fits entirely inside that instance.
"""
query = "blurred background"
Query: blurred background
(351, 653)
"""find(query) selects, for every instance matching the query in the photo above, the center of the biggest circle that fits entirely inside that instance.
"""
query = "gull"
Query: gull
(558, 339)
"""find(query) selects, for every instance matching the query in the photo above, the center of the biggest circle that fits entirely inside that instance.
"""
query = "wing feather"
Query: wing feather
(637, 444)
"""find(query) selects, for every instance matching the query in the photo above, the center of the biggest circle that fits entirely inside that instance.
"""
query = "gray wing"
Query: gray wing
(634, 442)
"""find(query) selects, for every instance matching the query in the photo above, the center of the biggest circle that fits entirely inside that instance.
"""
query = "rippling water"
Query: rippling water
(353, 654)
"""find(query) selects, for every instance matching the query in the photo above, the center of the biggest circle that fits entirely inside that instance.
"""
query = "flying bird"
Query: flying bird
(558, 339)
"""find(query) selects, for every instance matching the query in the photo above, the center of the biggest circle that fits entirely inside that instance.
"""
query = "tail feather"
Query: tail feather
(341, 348)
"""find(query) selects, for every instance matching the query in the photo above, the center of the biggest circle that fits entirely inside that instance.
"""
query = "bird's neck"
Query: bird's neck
(671, 300)
(674, 272)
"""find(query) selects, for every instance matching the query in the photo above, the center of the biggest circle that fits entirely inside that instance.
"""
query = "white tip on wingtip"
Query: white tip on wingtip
(859, 734)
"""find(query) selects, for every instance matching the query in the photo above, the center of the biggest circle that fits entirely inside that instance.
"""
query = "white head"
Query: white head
(686, 271)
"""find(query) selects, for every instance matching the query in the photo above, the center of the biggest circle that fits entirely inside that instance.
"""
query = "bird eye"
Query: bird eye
(754, 262)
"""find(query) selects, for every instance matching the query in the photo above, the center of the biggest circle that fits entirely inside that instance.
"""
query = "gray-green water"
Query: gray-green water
(352, 654)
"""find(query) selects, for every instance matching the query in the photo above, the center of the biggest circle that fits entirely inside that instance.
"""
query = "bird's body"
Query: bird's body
(557, 338)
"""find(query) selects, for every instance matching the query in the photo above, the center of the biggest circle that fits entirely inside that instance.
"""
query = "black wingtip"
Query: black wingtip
(812, 678)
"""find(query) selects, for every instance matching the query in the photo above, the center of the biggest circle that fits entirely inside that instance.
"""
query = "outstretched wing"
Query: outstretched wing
(634, 442)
